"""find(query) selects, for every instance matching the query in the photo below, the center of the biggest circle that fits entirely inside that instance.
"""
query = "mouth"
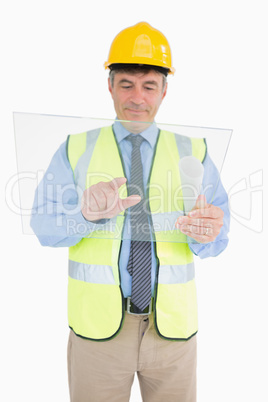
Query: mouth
(136, 111)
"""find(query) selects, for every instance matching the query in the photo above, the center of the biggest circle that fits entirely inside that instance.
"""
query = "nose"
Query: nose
(137, 96)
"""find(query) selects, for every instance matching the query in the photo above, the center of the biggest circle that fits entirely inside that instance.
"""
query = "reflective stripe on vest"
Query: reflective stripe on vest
(169, 274)
(94, 293)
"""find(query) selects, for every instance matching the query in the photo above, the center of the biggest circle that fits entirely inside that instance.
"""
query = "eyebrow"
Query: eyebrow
(152, 82)
(126, 81)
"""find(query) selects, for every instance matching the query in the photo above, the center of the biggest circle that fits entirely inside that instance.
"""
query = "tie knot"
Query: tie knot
(135, 140)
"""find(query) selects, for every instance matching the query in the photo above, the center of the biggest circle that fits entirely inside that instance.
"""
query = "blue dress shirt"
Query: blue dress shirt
(58, 222)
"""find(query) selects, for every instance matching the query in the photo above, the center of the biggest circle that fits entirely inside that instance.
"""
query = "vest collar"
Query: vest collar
(150, 134)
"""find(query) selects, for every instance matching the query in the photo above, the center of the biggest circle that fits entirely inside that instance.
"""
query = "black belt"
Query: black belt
(132, 309)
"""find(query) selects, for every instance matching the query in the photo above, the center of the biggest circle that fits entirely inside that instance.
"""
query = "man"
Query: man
(131, 302)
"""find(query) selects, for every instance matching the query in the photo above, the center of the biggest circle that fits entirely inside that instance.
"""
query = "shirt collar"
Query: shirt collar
(150, 134)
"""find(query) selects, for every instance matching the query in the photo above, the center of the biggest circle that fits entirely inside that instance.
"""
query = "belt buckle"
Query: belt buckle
(129, 307)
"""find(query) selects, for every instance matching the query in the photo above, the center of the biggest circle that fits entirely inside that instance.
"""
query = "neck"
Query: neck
(135, 127)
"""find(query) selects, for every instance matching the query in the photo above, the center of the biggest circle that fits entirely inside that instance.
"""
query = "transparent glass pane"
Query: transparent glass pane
(179, 162)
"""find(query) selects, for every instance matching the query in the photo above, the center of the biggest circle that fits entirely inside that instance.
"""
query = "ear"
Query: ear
(110, 86)
(165, 91)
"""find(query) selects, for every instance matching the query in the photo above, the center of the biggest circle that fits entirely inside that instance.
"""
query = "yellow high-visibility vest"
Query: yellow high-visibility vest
(96, 305)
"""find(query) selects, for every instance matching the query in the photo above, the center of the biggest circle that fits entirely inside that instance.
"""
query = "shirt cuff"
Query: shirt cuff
(208, 249)
(78, 225)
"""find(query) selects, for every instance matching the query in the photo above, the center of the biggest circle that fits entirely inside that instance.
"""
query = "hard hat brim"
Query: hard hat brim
(117, 66)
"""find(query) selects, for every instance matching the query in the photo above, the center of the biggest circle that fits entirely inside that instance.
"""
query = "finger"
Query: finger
(111, 193)
(210, 211)
(117, 182)
(129, 202)
(89, 208)
(200, 238)
(201, 222)
(200, 203)
(100, 199)
(190, 221)
(200, 230)
(89, 202)
(112, 198)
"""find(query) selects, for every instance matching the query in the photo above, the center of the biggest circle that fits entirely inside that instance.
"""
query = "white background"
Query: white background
(52, 62)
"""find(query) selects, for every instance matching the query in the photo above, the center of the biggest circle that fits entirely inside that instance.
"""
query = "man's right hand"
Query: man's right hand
(101, 201)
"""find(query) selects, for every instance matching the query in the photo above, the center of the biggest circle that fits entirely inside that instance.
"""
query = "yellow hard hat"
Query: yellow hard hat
(140, 44)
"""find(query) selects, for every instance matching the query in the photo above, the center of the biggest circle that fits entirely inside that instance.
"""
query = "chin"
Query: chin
(136, 126)
(136, 116)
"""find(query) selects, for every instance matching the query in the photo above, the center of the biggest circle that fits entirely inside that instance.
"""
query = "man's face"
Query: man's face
(137, 97)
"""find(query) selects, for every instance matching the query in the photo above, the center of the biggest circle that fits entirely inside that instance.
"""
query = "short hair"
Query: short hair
(136, 69)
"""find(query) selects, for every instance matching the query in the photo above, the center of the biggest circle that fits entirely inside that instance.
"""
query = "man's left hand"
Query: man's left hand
(203, 223)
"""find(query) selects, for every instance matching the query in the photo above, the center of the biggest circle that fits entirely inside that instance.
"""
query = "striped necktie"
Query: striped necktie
(140, 259)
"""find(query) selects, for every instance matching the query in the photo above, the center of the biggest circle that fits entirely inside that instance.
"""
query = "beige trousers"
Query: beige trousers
(104, 371)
